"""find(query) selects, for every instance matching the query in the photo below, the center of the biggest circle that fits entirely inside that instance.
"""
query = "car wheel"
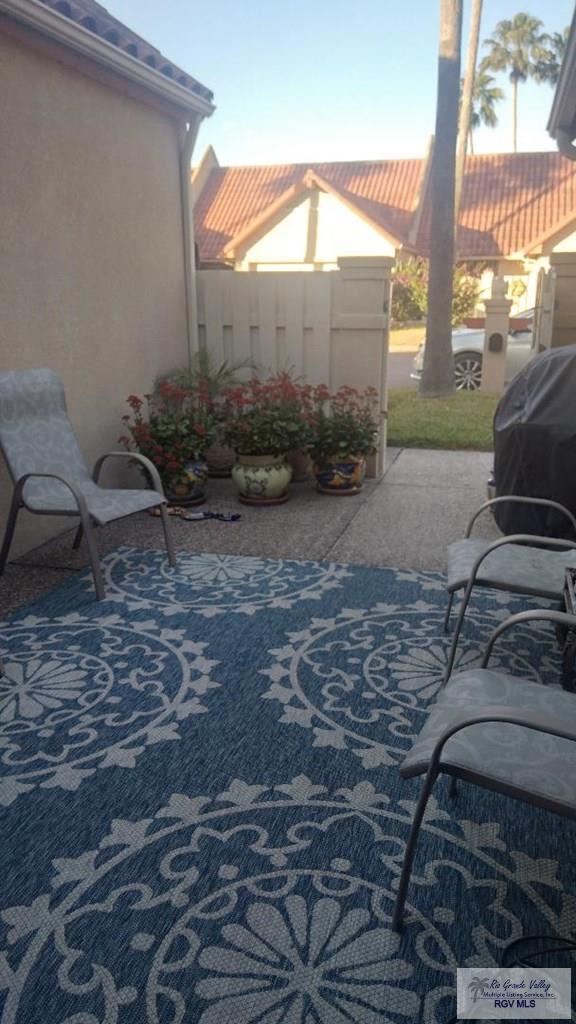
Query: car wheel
(468, 372)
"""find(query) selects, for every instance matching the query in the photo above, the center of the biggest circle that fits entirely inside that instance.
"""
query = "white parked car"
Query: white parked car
(468, 348)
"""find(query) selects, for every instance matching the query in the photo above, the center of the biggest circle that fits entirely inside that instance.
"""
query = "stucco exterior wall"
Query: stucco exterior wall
(91, 249)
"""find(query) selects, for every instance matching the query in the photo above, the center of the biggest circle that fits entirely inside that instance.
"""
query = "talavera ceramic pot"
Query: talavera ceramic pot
(262, 479)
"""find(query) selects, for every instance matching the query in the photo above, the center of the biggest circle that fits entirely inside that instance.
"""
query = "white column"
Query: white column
(496, 338)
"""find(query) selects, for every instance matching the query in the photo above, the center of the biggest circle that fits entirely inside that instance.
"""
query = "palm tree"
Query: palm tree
(548, 68)
(467, 90)
(485, 96)
(438, 370)
(516, 46)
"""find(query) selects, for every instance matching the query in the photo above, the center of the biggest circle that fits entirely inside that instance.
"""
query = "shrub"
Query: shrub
(410, 292)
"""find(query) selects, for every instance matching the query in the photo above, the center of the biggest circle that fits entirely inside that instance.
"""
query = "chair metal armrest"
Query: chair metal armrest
(78, 496)
(136, 457)
(506, 714)
(520, 499)
(544, 614)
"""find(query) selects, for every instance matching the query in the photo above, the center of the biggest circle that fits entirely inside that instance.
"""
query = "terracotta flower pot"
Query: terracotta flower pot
(301, 464)
(220, 459)
(262, 479)
(341, 476)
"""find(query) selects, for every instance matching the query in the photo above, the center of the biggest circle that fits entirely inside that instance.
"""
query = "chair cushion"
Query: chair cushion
(515, 567)
(104, 503)
(509, 758)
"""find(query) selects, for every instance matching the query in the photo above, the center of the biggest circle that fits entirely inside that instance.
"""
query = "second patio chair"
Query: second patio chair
(49, 472)
(511, 735)
(520, 563)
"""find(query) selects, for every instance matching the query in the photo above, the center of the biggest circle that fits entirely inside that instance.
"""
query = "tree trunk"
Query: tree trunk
(515, 115)
(466, 102)
(438, 371)
(471, 142)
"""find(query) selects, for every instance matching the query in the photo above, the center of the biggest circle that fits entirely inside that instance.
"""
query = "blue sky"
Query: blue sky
(314, 80)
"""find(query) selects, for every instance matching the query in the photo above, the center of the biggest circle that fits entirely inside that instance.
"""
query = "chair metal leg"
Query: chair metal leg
(94, 558)
(457, 631)
(78, 537)
(448, 611)
(9, 532)
(167, 527)
(408, 861)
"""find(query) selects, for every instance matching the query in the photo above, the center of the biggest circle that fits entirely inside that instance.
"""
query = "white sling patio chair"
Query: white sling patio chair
(520, 563)
(49, 472)
(499, 732)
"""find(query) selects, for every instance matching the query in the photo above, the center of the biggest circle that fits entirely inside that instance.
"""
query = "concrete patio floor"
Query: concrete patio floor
(404, 520)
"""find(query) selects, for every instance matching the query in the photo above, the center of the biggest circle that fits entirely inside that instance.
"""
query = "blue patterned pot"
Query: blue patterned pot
(340, 476)
(189, 486)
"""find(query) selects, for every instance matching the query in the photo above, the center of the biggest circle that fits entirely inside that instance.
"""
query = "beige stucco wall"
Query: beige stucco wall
(338, 232)
(91, 250)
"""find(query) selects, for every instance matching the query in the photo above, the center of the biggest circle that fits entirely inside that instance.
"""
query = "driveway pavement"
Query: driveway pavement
(405, 520)
(399, 369)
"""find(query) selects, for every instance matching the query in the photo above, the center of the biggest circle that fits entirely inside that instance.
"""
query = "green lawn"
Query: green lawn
(464, 420)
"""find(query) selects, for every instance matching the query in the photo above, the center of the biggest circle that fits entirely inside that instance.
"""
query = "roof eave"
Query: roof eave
(60, 29)
(562, 120)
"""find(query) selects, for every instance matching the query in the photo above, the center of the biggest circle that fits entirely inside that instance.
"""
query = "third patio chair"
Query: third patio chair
(499, 732)
(49, 472)
(520, 564)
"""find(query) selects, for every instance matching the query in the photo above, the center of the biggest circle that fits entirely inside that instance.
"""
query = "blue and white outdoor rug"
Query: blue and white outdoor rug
(202, 818)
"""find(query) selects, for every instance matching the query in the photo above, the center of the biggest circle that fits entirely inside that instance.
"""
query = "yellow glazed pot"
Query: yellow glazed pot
(262, 479)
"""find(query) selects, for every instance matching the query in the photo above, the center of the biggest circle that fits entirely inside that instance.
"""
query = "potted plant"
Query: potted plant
(264, 422)
(345, 432)
(211, 380)
(173, 428)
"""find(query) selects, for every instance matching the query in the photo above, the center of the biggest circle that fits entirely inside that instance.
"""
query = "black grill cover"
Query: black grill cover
(535, 444)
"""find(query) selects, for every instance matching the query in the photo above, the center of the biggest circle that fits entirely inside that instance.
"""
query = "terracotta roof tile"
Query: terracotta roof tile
(511, 201)
(96, 19)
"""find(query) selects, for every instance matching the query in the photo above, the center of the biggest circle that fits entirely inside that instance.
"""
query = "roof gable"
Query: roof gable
(237, 200)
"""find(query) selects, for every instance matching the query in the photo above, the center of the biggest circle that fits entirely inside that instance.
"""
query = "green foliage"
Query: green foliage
(410, 292)
(516, 46)
(548, 66)
(172, 428)
(343, 424)
(266, 417)
(485, 96)
(214, 378)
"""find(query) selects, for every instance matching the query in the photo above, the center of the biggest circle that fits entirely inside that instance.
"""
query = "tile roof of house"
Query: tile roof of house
(385, 190)
(511, 201)
(96, 19)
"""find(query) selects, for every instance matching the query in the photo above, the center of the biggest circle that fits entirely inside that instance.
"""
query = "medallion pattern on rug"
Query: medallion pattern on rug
(212, 585)
(237, 861)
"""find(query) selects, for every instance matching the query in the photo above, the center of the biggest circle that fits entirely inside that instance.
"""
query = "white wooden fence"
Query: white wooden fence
(327, 328)
(275, 321)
